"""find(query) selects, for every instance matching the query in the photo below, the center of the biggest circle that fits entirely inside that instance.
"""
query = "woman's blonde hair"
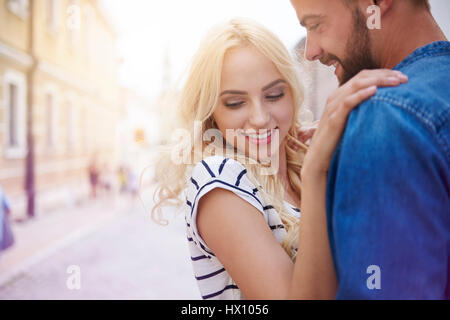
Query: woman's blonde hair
(198, 100)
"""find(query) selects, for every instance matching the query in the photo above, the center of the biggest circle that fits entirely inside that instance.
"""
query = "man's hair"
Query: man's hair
(417, 3)
(422, 3)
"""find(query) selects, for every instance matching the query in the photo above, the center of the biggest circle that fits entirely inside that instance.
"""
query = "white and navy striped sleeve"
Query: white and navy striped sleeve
(217, 172)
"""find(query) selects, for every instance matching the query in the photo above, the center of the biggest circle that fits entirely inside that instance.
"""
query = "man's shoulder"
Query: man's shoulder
(425, 96)
(402, 115)
(419, 102)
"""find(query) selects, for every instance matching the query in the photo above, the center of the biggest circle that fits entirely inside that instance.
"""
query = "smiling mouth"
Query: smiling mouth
(262, 133)
(263, 136)
(332, 63)
(260, 136)
(337, 67)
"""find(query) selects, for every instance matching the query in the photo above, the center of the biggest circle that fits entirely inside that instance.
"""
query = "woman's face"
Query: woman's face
(255, 103)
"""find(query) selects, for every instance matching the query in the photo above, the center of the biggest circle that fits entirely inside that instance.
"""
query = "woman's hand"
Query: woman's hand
(338, 107)
(306, 132)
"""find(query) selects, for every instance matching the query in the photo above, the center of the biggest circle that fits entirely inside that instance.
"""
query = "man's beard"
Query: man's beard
(358, 55)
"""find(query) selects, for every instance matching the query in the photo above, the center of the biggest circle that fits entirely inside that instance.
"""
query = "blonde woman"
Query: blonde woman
(243, 219)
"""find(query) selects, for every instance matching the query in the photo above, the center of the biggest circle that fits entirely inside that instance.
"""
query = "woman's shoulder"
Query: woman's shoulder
(226, 171)
(217, 166)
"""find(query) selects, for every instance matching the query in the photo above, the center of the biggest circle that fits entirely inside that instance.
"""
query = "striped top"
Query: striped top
(213, 172)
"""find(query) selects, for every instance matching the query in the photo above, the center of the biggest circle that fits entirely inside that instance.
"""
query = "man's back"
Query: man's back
(388, 195)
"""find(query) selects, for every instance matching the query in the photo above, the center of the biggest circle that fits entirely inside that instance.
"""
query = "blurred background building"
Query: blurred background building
(58, 81)
(140, 132)
(319, 81)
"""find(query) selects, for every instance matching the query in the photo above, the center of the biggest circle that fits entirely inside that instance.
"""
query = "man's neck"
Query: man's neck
(407, 35)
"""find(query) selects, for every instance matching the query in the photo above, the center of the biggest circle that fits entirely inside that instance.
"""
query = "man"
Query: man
(5, 231)
(388, 192)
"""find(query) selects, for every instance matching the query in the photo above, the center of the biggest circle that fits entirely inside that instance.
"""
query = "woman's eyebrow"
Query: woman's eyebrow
(272, 84)
(233, 92)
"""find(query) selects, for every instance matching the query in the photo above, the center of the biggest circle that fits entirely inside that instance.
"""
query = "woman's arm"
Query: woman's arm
(240, 238)
(314, 276)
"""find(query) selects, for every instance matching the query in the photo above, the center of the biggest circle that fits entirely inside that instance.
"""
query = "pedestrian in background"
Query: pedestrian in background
(132, 183)
(6, 235)
(122, 179)
(93, 178)
(106, 179)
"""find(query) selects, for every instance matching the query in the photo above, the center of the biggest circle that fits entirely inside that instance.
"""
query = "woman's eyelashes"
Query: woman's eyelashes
(275, 97)
(234, 103)
(271, 97)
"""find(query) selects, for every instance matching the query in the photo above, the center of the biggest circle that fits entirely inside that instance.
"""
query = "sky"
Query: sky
(150, 30)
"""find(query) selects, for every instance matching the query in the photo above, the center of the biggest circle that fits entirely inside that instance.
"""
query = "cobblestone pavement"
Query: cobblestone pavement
(127, 257)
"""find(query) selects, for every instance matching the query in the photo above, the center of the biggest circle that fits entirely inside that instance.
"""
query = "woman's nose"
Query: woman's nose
(260, 116)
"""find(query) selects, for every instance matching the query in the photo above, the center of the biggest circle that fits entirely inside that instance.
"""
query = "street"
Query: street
(122, 255)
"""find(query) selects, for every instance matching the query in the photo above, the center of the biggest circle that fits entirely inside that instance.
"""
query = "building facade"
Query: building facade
(68, 58)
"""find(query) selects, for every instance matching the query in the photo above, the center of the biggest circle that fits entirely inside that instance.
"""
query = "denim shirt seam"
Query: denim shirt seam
(434, 127)
(435, 49)
(424, 55)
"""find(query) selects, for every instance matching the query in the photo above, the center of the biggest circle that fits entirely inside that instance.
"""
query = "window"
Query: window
(89, 32)
(18, 7)
(13, 133)
(50, 120)
(15, 114)
(70, 125)
(73, 22)
(52, 14)
(84, 128)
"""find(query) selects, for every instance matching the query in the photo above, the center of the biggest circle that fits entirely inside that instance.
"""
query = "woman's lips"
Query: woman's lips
(260, 139)
(266, 140)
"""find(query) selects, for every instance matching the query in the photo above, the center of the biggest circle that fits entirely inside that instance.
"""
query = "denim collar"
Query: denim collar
(432, 49)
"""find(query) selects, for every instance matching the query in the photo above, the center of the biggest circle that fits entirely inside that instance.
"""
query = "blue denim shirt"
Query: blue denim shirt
(388, 192)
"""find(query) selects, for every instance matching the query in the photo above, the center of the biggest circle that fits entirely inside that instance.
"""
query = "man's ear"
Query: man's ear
(384, 5)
